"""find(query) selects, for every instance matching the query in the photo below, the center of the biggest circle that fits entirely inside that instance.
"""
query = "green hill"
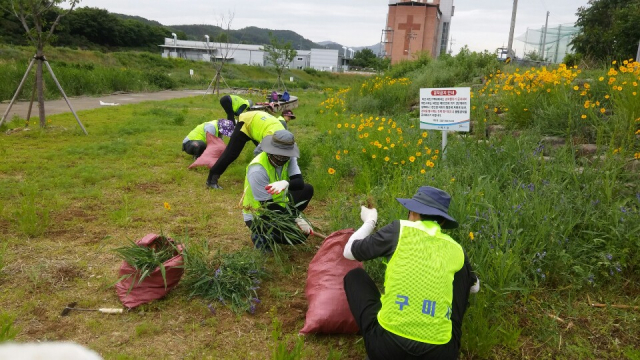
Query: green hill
(248, 35)
(94, 28)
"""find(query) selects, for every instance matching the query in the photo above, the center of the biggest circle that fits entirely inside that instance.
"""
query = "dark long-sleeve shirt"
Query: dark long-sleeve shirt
(383, 243)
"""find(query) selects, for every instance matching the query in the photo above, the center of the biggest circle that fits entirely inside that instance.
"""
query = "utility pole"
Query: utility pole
(544, 38)
(513, 27)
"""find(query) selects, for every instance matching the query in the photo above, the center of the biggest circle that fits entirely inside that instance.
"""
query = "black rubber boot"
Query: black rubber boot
(212, 182)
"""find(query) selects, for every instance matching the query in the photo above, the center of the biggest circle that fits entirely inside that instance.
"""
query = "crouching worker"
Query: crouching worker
(196, 141)
(427, 283)
(274, 182)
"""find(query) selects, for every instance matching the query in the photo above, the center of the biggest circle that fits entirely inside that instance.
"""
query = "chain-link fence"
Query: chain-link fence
(552, 46)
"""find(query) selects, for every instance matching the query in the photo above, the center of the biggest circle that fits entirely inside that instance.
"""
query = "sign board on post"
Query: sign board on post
(191, 72)
(446, 109)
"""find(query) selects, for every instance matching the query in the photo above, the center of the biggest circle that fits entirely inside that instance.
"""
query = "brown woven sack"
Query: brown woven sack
(215, 147)
(152, 287)
(328, 311)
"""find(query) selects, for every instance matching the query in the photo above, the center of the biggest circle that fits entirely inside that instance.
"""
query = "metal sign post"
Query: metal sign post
(445, 109)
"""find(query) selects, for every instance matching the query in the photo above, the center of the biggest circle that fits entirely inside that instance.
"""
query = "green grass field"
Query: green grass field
(97, 73)
(547, 236)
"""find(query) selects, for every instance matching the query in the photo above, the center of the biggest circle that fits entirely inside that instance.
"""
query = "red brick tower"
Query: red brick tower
(412, 26)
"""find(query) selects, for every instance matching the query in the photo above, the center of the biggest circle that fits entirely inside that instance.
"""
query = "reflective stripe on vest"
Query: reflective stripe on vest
(199, 134)
(237, 101)
(419, 283)
(258, 124)
(249, 202)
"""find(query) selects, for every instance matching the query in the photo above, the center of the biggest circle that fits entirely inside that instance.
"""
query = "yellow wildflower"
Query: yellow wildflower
(167, 206)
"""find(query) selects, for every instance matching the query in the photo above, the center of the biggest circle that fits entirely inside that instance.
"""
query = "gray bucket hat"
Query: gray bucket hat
(431, 201)
(280, 143)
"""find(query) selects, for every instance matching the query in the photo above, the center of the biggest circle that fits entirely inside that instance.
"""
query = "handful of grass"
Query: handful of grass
(146, 259)
(270, 223)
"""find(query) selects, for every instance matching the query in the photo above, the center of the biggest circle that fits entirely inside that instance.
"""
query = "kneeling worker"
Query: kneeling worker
(274, 180)
(196, 141)
(234, 105)
(427, 283)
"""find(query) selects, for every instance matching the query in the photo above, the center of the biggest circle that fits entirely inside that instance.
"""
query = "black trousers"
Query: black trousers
(194, 147)
(364, 301)
(299, 196)
(236, 143)
(227, 105)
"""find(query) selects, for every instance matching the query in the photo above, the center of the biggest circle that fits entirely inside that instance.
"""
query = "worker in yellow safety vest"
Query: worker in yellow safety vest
(274, 180)
(252, 126)
(234, 105)
(196, 141)
(427, 283)
(285, 117)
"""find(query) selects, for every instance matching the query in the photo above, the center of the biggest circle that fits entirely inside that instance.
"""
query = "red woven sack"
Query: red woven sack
(152, 287)
(215, 147)
(328, 311)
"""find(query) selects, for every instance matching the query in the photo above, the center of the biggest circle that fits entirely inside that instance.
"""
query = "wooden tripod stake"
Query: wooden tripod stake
(53, 76)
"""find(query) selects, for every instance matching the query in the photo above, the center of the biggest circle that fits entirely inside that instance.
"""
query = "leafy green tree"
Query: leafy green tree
(609, 29)
(364, 58)
(279, 54)
(533, 56)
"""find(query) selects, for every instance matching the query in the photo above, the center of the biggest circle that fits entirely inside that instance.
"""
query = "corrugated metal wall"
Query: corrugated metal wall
(324, 59)
(320, 59)
(251, 57)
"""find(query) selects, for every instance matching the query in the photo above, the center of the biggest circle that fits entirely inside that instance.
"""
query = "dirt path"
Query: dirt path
(86, 102)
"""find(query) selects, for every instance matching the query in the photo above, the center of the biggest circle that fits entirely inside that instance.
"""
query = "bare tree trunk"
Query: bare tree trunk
(216, 87)
(40, 87)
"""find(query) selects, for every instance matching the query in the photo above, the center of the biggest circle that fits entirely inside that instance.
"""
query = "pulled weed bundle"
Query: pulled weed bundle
(146, 259)
(278, 224)
(231, 279)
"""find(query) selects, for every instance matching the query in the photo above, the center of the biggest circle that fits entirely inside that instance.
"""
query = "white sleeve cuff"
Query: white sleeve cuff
(365, 230)
(475, 288)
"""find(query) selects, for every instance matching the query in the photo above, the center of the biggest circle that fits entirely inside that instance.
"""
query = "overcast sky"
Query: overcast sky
(479, 24)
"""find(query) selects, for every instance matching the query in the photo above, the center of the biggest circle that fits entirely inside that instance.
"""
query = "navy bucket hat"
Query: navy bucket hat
(431, 201)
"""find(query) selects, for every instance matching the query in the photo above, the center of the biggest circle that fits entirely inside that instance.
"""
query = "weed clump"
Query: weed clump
(229, 279)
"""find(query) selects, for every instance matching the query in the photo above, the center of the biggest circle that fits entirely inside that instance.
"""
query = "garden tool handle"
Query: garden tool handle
(110, 311)
(319, 235)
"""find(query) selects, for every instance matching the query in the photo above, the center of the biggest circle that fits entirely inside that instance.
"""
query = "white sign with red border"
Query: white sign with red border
(447, 109)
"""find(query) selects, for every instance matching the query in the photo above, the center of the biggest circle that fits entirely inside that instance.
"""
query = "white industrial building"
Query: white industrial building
(319, 59)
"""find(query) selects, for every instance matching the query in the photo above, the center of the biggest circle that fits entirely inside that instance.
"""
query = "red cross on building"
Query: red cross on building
(409, 26)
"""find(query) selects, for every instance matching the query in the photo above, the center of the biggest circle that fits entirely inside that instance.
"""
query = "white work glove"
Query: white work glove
(475, 288)
(277, 187)
(304, 226)
(369, 215)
